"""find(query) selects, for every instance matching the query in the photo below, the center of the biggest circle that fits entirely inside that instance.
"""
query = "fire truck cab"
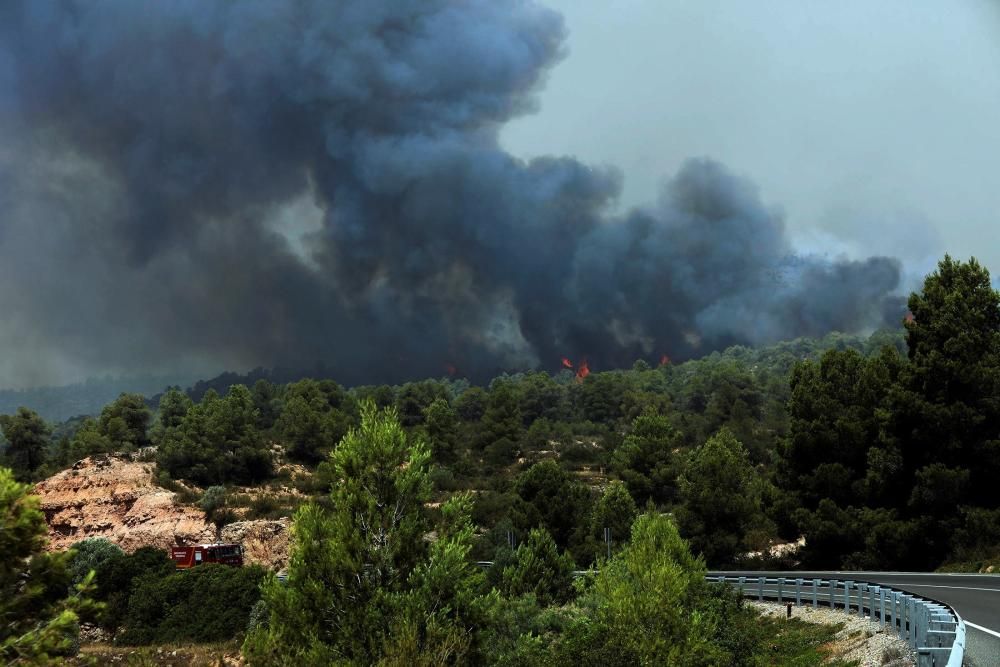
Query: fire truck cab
(226, 554)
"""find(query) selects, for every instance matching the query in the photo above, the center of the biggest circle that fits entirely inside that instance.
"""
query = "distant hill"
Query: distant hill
(56, 404)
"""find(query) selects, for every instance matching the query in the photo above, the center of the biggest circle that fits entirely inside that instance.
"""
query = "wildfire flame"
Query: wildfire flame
(909, 319)
(582, 371)
(664, 360)
(567, 363)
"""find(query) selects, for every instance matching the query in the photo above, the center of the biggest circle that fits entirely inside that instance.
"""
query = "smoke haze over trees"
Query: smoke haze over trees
(254, 183)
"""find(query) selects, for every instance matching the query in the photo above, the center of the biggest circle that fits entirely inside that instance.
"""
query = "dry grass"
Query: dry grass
(226, 654)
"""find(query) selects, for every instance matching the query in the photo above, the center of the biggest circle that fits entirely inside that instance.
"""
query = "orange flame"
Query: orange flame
(567, 363)
(664, 360)
(909, 319)
(583, 371)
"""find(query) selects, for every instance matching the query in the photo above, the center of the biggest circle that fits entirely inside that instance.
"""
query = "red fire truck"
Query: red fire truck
(227, 554)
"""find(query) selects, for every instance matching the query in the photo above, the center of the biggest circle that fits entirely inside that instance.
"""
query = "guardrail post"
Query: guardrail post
(781, 583)
(798, 592)
(881, 606)
(760, 589)
(894, 610)
(848, 585)
(815, 593)
(833, 588)
(862, 589)
(910, 624)
(903, 617)
(919, 615)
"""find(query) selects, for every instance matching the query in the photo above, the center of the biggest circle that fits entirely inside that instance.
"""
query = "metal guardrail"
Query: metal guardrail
(934, 630)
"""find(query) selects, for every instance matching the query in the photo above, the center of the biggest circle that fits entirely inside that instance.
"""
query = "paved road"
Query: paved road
(976, 597)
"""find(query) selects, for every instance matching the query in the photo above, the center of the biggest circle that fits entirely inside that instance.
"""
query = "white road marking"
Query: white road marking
(898, 573)
(957, 588)
(982, 629)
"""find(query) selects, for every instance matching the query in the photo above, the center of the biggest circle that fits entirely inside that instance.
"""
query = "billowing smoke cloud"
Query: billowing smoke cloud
(152, 154)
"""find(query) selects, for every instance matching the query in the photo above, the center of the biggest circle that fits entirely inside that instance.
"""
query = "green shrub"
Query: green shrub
(443, 479)
(224, 517)
(91, 554)
(116, 575)
(212, 503)
(207, 603)
(264, 507)
(213, 498)
(37, 619)
(490, 507)
(538, 568)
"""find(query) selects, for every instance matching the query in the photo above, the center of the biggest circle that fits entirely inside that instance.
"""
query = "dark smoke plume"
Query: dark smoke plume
(231, 184)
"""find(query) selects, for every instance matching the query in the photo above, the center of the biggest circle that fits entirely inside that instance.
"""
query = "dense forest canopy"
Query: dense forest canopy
(879, 450)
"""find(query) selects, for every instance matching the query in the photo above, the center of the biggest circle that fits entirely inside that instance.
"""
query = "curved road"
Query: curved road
(976, 598)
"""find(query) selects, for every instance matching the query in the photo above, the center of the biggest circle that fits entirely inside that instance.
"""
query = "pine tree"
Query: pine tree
(34, 630)
(363, 584)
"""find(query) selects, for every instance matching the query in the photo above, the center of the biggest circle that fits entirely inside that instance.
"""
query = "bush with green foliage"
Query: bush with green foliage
(314, 416)
(208, 603)
(549, 497)
(650, 605)
(38, 619)
(213, 503)
(27, 437)
(217, 442)
(124, 422)
(537, 568)
(720, 501)
(91, 555)
(648, 459)
(116, 577)
(614, 510)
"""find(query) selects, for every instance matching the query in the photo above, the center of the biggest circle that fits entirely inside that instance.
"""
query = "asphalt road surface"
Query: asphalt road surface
(976, 598)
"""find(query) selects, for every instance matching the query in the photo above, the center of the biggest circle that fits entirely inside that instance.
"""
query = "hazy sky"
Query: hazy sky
(846, 114)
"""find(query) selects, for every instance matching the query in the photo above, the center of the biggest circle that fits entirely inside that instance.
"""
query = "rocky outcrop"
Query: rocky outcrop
(264, 542)
(118, 499)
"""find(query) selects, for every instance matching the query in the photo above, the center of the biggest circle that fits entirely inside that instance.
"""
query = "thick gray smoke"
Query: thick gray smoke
(152, 153)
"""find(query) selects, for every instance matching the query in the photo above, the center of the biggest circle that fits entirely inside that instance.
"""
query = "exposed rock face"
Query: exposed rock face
(264, 542)
(117, 499)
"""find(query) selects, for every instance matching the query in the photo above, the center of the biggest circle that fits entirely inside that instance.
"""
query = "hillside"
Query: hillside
(117, 499)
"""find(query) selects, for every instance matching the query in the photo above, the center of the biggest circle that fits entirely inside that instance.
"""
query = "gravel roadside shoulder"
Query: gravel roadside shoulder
(861, 639)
